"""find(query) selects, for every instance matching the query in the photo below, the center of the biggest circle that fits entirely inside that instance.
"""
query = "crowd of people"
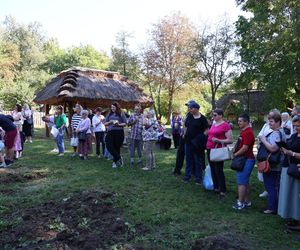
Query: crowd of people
(16, 128)
(278, 157)
(196, 139)
(108, 133)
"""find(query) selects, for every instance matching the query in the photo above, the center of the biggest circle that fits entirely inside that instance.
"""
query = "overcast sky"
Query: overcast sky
(96, 22)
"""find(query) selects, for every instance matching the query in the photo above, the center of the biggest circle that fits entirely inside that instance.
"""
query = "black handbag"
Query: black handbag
(287, 131)
(293, 170)
(81, 136)
(238, 163)
(263, 153)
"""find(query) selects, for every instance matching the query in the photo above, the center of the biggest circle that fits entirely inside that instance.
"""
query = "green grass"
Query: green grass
(175, 214)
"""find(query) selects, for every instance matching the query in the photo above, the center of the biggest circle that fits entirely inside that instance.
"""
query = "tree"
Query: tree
(167, 58)
(58, 59)
(123, 59)
(269, 48)
(214, 57)
(9, 60)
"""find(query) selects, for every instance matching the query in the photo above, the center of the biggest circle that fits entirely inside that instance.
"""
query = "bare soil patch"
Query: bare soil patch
(10, 176)
(86, 220)
(220, 242)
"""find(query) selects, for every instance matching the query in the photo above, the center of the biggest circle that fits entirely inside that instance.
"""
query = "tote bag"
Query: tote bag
(220, 154)
(54, 131)
(74, 142)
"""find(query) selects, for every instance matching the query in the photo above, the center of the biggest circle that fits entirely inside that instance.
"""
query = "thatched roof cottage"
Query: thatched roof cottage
(251, 101)
(91, 88)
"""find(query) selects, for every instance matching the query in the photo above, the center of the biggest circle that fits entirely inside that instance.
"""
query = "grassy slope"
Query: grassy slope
(174, 213)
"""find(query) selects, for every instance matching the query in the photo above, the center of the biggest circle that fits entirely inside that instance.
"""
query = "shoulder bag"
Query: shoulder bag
(220, 154)
(294, 171)
(264, 166)
(81, 135)
(238, 163)
(263, 153)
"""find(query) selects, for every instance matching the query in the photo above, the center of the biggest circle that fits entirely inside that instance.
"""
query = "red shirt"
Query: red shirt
(247, 138)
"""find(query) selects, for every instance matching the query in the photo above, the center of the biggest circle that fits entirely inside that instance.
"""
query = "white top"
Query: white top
(265, 130)
(18, 118)
(98, 125)
(27, 113)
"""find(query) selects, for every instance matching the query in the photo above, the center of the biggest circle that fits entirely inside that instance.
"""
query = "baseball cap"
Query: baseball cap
(190, 102)
(194, 105)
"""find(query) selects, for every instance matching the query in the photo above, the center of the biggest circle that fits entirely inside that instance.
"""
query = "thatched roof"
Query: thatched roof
(92, 88)
(256, 101)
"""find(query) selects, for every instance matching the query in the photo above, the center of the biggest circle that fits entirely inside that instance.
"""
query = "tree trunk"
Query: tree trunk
(213, 99)
(170, 105)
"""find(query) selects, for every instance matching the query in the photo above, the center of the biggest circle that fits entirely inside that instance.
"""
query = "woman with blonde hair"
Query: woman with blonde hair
(85, 140)
(18, 121)
(28, 123)
(150, 136)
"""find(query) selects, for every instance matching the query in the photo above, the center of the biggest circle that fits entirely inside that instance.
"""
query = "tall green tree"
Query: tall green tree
(21, 54)
(268, 42)
(58, 59)
(214, 57)
(123, 59)
(167, 58)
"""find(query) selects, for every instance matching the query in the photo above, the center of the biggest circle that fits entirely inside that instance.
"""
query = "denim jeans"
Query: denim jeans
(272, 182)
(196, 159)
(149, 153)
(136, 144)
(60, 142)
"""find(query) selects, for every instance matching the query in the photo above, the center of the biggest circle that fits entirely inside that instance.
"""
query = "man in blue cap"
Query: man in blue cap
(195, 142)
(181, 148)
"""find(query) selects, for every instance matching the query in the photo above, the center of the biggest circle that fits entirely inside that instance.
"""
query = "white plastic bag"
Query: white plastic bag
(260, 177)
(207, 180)
(54, 131)
(74, 142)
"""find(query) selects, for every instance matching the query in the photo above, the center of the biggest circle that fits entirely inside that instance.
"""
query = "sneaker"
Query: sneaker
(74, 154)
(264, 194)
(131, 162)
(140, 162)
(268, 211)
(247, 204)
(60, 154)
(199, 183)
(146, 168)
(55, 150)
(99, 156)
(238, 205)
(114, 165)
(30, 141)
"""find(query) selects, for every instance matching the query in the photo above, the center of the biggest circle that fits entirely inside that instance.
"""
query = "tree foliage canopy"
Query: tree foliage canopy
(167, 58)
(269, 48)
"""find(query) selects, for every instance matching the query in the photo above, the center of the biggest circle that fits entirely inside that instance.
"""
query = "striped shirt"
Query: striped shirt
(75, 120)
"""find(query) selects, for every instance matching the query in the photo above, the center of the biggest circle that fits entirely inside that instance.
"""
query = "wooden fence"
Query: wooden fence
(37, 118)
